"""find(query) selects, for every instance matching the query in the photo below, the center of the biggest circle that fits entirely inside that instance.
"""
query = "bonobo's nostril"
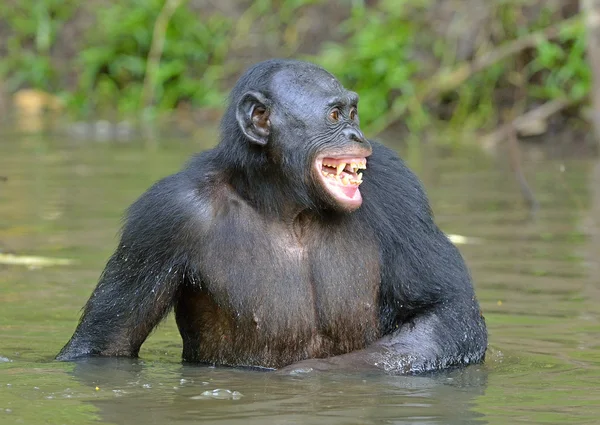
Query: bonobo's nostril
(354, 135)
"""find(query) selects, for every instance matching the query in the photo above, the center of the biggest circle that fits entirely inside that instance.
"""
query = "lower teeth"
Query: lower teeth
(344, 180)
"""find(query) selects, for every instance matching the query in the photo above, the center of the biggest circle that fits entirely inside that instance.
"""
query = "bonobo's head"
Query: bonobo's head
(304, 125)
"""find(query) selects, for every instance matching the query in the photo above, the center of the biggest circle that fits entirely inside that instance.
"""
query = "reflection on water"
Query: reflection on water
(266, 398)
(538, 282)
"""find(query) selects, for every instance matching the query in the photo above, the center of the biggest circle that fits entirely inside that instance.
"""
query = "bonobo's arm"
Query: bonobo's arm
(142, 278)
(428, 310)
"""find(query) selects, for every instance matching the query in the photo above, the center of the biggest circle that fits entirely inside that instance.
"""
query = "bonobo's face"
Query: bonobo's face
(308, 124)
(321, 120)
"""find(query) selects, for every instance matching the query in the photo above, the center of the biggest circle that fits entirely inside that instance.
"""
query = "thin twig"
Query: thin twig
(509, 132)
(514, 154)
(541, 113)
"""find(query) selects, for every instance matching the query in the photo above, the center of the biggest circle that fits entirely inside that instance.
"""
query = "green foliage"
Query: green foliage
(377, 58)
(561, 66)
(32, 29)
(389, 53)
(113, 63)
(382, 58)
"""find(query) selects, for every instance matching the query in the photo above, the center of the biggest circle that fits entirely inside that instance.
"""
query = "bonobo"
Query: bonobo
(295, 238)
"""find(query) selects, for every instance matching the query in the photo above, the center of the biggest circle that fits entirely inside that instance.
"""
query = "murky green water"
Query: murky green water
(538, 282)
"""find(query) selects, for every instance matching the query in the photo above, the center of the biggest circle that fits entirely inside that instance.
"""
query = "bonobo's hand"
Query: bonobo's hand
(307, 366)
(388, 355)
(374, 358)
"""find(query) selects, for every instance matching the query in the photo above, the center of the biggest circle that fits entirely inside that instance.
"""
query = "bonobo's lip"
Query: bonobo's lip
(341, 176)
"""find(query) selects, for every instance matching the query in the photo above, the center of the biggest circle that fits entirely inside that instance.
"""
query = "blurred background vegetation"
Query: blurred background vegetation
(465, 67)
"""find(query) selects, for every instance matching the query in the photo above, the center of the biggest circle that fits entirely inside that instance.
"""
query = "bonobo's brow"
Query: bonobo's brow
(350, 98)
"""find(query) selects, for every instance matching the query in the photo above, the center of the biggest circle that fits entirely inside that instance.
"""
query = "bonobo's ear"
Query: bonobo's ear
(253, 117)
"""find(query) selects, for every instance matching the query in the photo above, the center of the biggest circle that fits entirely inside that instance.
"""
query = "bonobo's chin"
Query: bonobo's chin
(340, 178)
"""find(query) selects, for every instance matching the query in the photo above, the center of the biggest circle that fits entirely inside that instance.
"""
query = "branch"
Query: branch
(446, 80)
(541, 113)
(465, 71)
(509, 132)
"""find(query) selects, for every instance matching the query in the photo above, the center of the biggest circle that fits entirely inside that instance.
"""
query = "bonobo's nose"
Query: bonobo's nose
(354, 134)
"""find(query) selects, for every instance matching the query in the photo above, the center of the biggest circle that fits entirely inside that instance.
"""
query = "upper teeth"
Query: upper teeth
(348, 179)
(355, 166)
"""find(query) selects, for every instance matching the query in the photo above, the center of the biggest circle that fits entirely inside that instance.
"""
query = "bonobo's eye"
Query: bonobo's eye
(353, 113)
(335, 114)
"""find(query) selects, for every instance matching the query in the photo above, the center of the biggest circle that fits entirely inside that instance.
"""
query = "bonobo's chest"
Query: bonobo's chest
(272, 294)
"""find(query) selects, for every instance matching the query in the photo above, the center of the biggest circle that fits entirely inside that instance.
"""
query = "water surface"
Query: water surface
(538, 282)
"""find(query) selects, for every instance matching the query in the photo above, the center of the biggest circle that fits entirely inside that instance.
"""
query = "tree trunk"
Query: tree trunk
(591, 11)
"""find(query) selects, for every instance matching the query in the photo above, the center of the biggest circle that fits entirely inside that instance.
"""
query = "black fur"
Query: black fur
(265, 269)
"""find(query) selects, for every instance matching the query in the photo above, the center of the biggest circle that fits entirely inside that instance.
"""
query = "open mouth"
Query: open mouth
(341, 178)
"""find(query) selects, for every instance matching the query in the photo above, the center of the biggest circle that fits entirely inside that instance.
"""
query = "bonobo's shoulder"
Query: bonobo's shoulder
(388, 180)
(183, 188)
(173, 202)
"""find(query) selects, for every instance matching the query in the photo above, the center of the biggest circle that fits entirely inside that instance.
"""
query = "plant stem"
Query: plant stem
(156, 50)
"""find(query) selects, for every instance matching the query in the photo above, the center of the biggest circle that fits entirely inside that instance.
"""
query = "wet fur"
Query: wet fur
(250, 289)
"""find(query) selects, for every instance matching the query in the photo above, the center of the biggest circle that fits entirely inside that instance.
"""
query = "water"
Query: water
(538, 282)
